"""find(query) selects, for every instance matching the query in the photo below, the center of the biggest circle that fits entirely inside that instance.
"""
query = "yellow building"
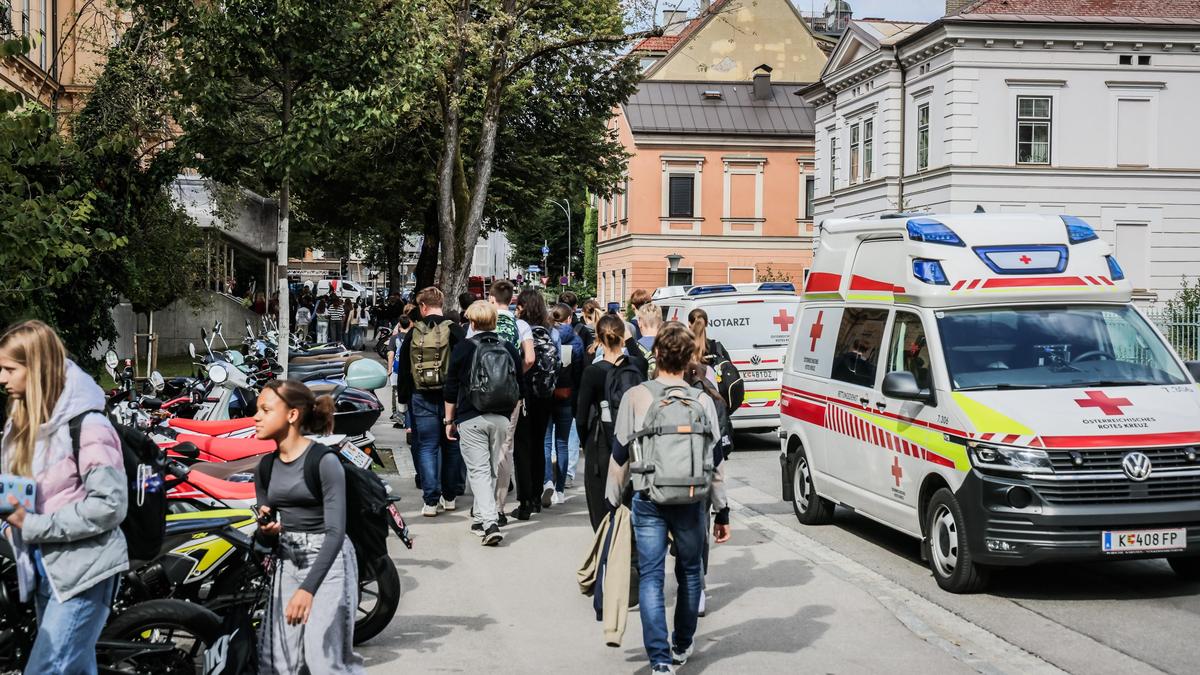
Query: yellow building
(70, 38)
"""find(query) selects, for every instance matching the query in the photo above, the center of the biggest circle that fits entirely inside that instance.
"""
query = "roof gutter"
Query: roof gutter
(903, 129)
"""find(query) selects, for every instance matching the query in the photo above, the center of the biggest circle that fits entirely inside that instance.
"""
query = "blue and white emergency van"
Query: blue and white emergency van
(983, 383)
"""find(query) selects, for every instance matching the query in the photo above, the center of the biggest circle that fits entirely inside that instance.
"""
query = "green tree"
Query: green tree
(590, 254)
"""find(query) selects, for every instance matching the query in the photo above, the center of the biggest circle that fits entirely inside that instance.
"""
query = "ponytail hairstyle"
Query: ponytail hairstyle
(610, 333)
(316, 413)
(698, 320)
(38, 348)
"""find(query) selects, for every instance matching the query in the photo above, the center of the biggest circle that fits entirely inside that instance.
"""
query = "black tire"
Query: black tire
(946, 545)
(188, 627)
(1186, 568)
(378, 598)
(810, 508)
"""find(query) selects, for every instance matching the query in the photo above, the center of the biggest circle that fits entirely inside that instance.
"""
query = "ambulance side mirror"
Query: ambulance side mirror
(902, 385)
(1194, 368)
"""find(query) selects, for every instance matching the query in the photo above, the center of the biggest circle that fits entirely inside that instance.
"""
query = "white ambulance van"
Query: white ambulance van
(983, 383)
(753, 322)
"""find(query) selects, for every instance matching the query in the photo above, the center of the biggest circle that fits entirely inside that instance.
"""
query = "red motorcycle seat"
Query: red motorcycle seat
(211, 427)
(221, 488)
(228, 449)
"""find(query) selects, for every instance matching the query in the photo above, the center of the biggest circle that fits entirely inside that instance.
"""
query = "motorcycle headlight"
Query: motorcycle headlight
(1008, 459)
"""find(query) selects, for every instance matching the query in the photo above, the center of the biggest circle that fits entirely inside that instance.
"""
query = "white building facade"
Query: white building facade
(1084, 116)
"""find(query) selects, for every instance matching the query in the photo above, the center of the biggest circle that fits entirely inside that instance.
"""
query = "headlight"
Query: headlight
(1012, 460)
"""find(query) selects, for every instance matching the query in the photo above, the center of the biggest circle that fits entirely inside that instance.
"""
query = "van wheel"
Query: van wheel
(811, 508)
(946, 541)
(1187, 568)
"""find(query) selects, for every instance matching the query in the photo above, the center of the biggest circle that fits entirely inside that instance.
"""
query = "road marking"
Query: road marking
(965, 641)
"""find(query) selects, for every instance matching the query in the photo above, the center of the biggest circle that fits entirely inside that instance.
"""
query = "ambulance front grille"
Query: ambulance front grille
(1109, 459)
(1115, 488)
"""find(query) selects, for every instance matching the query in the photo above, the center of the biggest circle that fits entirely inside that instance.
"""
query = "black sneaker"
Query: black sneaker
(492, 536)
(501, 520)
(521, 513)
(680, 658)
(477, 529)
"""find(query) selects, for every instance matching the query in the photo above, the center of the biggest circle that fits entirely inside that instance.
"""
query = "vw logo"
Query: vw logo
(1137, 466)
(756, 359)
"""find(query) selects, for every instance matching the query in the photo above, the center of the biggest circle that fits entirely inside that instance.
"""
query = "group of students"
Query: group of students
(331, 318)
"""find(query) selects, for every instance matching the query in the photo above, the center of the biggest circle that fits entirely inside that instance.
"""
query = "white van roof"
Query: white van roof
(965, 259)
(785, 288)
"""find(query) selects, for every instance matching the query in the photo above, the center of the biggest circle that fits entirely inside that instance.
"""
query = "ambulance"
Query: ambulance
(984, 384)
(753, 322)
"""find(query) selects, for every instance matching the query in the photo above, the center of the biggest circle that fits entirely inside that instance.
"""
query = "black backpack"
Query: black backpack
(366, 501)
(625, 375)
(145, 463)
(730, 385)
(542, 376)
(493, 377)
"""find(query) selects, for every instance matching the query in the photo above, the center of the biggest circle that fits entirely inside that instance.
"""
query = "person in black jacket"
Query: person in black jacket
(481, 435)
(594, 433)
(440, 458)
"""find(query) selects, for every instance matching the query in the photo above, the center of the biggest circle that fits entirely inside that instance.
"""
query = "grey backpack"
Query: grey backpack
(672, 454)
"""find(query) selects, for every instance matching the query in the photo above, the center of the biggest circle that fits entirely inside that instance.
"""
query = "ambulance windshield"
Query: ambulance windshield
(1054, 347)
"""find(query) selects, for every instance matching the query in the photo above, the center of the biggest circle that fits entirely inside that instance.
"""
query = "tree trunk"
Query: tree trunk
(392, 248)
(427, 261)
(285, 195)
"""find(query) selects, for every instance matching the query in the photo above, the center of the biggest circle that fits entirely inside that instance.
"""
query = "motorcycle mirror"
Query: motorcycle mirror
(157, 381)
(192, 350)
(217, 328)
(217, 374)
(112, 372)
(203, 335)
(186, 449)
(110, 358)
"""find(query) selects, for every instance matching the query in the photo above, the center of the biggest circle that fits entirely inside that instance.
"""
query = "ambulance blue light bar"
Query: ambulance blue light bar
(785, 286)
(930, 271)
(1114, 268)
(710, 290)
(932, 231)
(1078, 231)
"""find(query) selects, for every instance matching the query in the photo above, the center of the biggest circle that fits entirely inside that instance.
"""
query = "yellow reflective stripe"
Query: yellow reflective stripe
(762, 395)
(985, 420)
(868, 297)
(927, 438)
(822, 296)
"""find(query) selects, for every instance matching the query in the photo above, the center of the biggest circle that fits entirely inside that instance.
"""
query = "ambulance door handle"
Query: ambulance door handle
(880, 404)
(864, 401)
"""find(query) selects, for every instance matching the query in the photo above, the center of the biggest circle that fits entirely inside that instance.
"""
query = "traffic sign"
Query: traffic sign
(545, 251)
(562, 281)
(534, 269)
(544, 280)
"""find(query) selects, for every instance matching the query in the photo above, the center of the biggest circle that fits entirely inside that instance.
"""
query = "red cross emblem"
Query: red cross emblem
(897, 472)
(784, 321)
(1098, 399)
(1025, 259)
(815, 332)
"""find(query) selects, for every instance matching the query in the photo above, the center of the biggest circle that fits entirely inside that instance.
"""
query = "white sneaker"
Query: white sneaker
(548, 494)
(429, 510)
(560, 498)
(446, 504)
(703, 595)
(679, 658)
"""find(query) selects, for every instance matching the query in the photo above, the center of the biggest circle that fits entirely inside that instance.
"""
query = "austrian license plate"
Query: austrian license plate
(759, 375)
(357, 457)
(1133, 541)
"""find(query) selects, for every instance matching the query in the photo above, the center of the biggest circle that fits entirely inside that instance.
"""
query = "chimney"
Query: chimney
(762, 83)
(674, 21)
(956, 6)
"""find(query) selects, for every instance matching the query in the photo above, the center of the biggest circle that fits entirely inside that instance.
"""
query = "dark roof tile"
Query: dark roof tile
(680, 108)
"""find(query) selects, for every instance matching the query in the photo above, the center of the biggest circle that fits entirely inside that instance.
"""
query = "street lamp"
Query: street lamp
(673, 261)
(567, 210)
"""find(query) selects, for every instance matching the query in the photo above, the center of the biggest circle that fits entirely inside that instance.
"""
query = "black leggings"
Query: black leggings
(529, 449)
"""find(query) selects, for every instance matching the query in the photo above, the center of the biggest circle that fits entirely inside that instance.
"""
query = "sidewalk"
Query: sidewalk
(517, 608)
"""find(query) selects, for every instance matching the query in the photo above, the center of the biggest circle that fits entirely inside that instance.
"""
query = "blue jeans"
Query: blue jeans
(437, 456)
(651, 523)
(562, 422)
(67, 631)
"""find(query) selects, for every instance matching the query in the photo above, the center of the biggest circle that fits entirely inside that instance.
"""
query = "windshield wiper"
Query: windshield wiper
(1114, 383)
(984, 387)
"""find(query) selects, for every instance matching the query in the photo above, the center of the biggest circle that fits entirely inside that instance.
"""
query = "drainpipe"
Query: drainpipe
(903, 129)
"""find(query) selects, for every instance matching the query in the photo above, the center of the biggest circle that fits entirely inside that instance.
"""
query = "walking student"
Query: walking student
(309, 621)
(515, 331)
(424, 362)
(660, 507)
(589, 415)
(712, 351)
(482, 390)
(560, 431)
(537, 390)
(69, 550)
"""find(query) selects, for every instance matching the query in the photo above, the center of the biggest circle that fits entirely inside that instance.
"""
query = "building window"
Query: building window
(625, 201)
(682, 277)
(833, 150)
(868, 149)
(922, 137)
(1033, 129)
(810, 189)
(855, 130)
(682, 197)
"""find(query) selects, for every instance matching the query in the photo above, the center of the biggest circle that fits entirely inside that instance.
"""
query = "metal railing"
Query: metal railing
(1180, 327)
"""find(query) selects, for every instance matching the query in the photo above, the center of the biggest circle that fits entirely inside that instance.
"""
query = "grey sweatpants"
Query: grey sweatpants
(481, 440)
(504, 470)
(326, 643)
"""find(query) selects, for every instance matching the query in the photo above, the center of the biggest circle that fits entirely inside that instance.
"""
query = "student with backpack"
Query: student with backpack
(309, 619)
(650, 319)
(594, 417)
(516, 332)
(561, 428)
(537, 391)
(482, 390)
(69, 549)
(666, 435)
(424, 362)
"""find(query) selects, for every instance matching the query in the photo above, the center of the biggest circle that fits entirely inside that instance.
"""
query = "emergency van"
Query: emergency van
(983, 383)
(753, 322)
